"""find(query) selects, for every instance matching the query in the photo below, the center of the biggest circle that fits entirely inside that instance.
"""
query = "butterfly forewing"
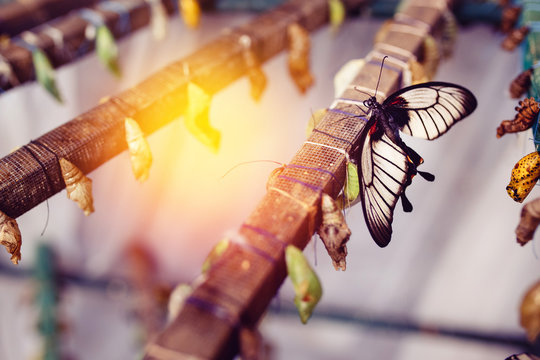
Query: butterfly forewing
(384, 170)
(428, 110)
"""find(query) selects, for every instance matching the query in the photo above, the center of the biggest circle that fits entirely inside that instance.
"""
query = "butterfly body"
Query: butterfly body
(386, 164)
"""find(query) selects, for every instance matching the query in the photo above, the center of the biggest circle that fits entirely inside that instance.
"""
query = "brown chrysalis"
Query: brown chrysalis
(334, 232)
(527, 112)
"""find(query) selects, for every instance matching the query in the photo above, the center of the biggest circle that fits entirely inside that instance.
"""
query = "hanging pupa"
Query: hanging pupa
(256, 76)
(158, 19)
(10, 237)
(521, 84)
(530, 312)
(197, 119)
(215, 254)
(515, 38)
(299, 48)
(78, 186)
(336, 14)
(139, 150)
(45, 74)
(524, 176)
(509, 17)
(107, 50)
(528, 221)
(334, 232)
(527, 113)
(191, 12)
(307, 286)
(351, 190)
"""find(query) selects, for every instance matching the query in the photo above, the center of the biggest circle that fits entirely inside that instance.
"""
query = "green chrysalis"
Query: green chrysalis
(305, 282)
(107, 50)
(215, 254)
(352, 184)
(45, 73)
(337, 14)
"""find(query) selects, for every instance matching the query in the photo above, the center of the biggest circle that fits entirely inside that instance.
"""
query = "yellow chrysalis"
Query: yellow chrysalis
(139, 150)
(524, 176)
(197, 119)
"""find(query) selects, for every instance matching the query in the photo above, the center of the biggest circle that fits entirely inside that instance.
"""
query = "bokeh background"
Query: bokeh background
(447, 287)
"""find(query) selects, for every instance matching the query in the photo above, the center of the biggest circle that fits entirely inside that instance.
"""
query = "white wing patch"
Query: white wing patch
(434, 109)
(383, 173)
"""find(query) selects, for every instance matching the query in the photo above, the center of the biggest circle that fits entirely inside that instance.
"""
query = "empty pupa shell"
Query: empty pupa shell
(524, 176)
(78, 186)
(139, 150)
(10, 237)
(334, 232)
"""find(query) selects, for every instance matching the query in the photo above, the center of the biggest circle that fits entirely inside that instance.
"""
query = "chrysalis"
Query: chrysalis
(197, 117)
(158, 19)
(299, 48)
(527, 112)
(306, 284)
(78, 186)
(351, 189)
(530, 312)
(45, 74)
(336, 14)
(10, 237)
(525, 174)
(314, 120)
(177, 299)
(191, 12)
(107, 50)
(334, 232)
(528, 221)
(255, 74)
(215, 254)
(509, 18)
(139, 150)
(521, 84)
(515, 38)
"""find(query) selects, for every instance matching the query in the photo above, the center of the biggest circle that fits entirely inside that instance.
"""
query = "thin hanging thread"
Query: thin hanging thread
(49, 184)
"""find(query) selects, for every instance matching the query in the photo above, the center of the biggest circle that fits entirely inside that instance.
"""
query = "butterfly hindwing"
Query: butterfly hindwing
(383, 173)
(428, 110)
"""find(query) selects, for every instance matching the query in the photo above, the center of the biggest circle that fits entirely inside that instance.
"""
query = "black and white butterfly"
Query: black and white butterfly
(386, 165)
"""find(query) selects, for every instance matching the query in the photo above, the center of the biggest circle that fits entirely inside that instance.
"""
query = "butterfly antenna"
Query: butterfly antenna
(380, 73)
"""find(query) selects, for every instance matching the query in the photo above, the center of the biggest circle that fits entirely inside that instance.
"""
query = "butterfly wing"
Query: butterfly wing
(383, 173)
(429, 109)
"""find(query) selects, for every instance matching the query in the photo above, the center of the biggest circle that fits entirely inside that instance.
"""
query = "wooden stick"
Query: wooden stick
(235, 292)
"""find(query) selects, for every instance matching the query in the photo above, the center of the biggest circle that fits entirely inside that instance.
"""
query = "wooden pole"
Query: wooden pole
(235, 292)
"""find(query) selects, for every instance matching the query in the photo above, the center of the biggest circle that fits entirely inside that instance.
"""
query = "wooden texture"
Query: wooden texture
(18, 16)
(74, 41)
(97, 135)
(239, 287)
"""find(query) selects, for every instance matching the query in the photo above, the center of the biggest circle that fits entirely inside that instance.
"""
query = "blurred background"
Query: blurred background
(448, 286)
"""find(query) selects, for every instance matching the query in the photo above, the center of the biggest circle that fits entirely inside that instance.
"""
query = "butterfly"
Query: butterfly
(386, 165)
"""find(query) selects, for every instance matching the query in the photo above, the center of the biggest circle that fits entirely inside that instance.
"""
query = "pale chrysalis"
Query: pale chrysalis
(10, 237)
(139, 150)
(78, 186)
